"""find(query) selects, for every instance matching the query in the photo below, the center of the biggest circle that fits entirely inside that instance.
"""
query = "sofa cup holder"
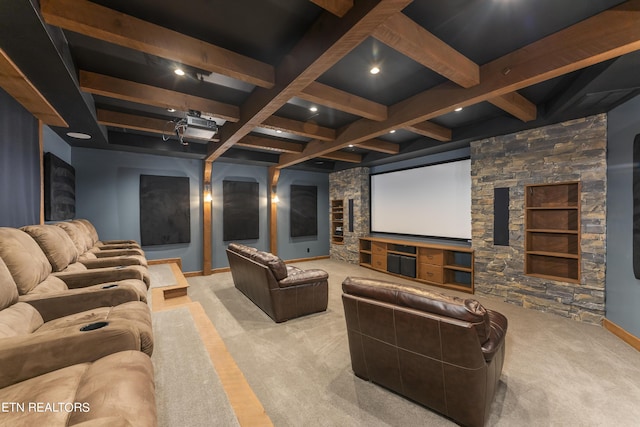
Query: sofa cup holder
(109, 286)
(93, 326)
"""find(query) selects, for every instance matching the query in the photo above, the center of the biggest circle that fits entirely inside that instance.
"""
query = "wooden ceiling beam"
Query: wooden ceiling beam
(308, 129)
(343, 101)
(327, 41)
(102, 23)
(343, 156)
(410, 39)
(113, 87)
(431, 130)
(607, 35)
(270, 144)
(131, 121)
(516, 105)
(380, 146)
(16, 84)
(337, 7)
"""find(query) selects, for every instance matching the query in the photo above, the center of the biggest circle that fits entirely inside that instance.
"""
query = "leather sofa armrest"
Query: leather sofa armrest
(24, 357)
(304, 277)
(497, 334)
(103, 253)
(59, 304)
(98, 275)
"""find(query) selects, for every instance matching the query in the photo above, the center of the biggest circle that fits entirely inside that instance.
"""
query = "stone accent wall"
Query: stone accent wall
(570, 151)
(345, 185)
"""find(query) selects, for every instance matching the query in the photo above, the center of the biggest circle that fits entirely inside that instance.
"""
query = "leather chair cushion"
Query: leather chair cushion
(467, 310)
(55, 243)
(8, 288)
(25, 260)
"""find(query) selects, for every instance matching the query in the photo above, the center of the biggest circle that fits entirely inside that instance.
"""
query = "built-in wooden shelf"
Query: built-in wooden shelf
(552, 231)
(337, 222)
(446, 266)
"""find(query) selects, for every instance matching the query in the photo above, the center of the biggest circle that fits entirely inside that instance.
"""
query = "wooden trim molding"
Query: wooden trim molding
(207, 251)
(177, 261)
(41, 144)
(625, 336)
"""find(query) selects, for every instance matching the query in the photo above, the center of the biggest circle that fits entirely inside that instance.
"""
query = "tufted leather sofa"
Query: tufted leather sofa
(283, 292)
(443, 352)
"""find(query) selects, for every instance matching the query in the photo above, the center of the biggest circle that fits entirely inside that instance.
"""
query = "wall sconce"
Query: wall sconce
(275, 199)
(207, 193)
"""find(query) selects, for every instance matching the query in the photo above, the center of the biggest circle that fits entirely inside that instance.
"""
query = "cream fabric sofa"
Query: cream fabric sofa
(33, 272)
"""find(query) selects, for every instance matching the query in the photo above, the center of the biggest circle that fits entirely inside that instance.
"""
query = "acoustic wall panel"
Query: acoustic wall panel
(501, 216)
(59, 189)
(240, 210)
(165, 216)
(303, 216)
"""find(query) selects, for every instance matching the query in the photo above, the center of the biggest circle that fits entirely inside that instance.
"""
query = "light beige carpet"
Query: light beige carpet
(557, 372)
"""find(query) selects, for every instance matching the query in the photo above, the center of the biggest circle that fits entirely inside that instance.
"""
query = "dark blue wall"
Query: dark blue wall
(622, 288)
(19, 165)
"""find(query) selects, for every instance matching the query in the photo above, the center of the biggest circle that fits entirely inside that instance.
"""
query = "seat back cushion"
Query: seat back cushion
(55, 243)
(49, 285)
(467, 310)
(78, 236)
(19, 319)
(275, 264)
(92, 240)
(89, 226)
(25, 260)
(8, 288)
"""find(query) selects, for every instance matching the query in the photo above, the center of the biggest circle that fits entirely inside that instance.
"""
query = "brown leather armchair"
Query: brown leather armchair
(283, 292)
(443, 352)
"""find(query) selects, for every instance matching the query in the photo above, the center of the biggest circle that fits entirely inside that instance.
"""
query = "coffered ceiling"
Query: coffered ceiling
(289, 81)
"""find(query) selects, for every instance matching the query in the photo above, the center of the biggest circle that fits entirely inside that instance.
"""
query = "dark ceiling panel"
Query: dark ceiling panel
(485, 30)
(400, 77)
(264, 30)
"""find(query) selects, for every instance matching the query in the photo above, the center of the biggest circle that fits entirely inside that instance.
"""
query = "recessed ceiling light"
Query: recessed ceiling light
(313, 109)
(350, 145)
(171, 110)
(392, 131)
(458, 109)
(179, 71)
(79, 135)
(278, 131)
(374, 70)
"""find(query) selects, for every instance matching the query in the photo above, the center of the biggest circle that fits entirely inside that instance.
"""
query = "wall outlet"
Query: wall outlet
(307, 250)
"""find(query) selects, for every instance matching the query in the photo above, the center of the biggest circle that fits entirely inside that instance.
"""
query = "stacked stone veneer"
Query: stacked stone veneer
(345, 185)
(570, 151)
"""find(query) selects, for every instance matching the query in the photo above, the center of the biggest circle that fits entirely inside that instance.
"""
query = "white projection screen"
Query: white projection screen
(430, 201)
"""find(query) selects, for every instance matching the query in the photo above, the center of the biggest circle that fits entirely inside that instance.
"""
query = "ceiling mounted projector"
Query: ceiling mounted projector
(199, 128)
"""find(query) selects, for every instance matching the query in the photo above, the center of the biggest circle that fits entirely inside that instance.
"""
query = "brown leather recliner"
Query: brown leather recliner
(443, 352)
(283, 292)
